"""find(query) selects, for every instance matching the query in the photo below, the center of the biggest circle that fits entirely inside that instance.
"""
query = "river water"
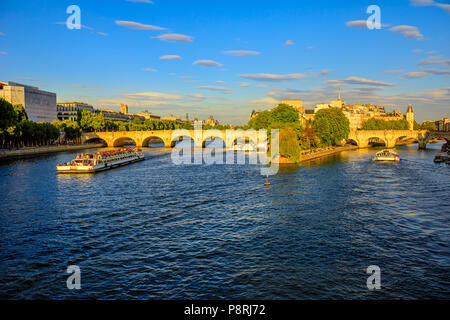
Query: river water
(155, 230)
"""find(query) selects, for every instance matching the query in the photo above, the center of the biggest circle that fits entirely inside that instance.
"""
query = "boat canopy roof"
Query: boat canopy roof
(387, 152)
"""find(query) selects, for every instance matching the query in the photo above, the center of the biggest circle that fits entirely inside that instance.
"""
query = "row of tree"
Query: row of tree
(17, 131)
(329, 127)
(89, 122)
(380, 124)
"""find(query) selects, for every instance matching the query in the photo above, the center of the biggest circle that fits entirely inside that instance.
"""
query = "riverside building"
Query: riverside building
(39, 105)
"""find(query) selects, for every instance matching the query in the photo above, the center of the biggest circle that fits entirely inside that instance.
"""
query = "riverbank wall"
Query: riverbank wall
(38, 151)
(325, 153)
(315, 155)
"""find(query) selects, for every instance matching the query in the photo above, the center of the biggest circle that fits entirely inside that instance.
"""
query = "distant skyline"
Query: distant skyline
(225, 58)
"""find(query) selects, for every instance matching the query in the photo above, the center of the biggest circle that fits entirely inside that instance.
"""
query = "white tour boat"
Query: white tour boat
(99, 161)
(386, 155)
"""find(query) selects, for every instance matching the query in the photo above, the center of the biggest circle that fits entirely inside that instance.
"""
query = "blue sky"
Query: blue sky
(226, 58)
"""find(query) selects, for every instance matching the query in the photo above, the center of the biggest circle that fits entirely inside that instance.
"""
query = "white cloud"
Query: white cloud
(102, 33)
(150, 70)
(436, 71)
(2, 34)
(357, 80)
(154, 95)
(434, 60)
(170, 57)
(220, 81)
(27, 79)
(393, 71)
(414, 75)
(324, 72)
(360, 24)
(241, 52)
(264, 102)
(357, 24)
(409, 32)
(422, 2)
(273, 77)
(82, 26)
(445, 7)
(206, 63)
(244, 84)
(137, 25)
(3, 52)
(289, 43)
(261, 86)
(214, 88)
(174, 37)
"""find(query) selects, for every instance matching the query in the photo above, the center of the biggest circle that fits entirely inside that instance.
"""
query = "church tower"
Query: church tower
(410, 117)
(124, 108)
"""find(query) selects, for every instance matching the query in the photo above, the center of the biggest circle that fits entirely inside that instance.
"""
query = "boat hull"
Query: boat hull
(97, 168)
(386, 159)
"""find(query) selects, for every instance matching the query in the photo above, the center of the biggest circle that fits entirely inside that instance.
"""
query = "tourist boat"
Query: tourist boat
(243, 147)
(99, 161)
(386, 155)
(441, 157)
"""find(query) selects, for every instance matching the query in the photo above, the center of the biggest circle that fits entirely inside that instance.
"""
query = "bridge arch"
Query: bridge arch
(122, 141)
(213, 135)
(95, 140)
(377, 141)
(245, 136)
(182, 142)
(181, 136)
(406, 139)
(156, 141)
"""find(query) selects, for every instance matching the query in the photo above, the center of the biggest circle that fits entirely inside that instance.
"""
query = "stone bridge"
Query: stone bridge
(390, 137)
(171, 137)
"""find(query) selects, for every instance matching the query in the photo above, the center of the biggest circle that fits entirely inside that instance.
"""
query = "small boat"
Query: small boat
(386, 155)
(441, 157)
(243, 147)
(99, 161)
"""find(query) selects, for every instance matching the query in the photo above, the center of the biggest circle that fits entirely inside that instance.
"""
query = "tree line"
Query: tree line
(17, 131)
(380, 124)
(89, 122)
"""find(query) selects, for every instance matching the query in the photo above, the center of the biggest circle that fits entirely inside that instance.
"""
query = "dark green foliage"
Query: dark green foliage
(380, 124)
(331, 126)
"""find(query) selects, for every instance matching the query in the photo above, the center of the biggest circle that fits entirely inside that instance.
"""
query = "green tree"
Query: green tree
(261, 121)
(72, 130)
(99, 122)
(289, 143)
(285, 113)
(87, 121)
(21, 113)
(380, 124)
(331, 126)
(428, 125)
(8, 116)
